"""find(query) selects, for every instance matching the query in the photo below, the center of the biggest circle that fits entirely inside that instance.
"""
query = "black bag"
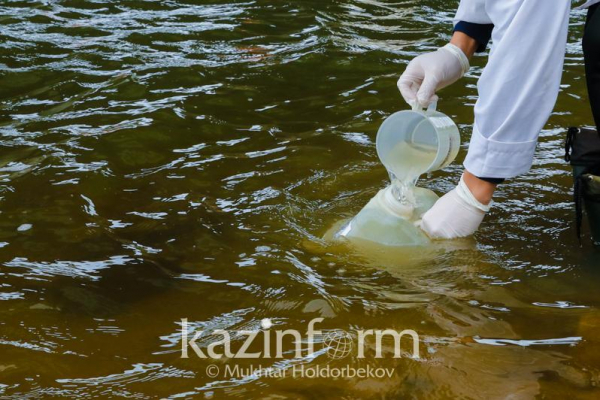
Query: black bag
(582, 147)
(582, 150)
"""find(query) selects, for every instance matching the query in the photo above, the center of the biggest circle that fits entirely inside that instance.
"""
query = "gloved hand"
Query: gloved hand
(456, 214)
(430, 72)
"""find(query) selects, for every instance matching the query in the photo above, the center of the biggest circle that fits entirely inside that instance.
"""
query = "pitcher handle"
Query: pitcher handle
(431, 108)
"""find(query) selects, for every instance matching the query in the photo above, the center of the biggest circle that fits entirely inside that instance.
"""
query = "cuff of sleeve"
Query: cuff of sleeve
(480, 32)
(494, 181)
(493, 159)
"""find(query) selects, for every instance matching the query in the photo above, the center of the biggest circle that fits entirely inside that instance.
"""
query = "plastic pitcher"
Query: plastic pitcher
(413, 142)
(409, 143)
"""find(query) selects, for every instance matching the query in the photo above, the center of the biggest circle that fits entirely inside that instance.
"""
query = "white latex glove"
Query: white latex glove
(431, 72)
(456, 214)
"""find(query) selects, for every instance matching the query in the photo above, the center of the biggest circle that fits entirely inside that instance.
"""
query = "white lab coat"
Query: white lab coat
(520, 83)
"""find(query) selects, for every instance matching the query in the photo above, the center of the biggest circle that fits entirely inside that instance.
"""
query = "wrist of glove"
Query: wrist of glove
(456, 214)
(460, 56)
(430, 72)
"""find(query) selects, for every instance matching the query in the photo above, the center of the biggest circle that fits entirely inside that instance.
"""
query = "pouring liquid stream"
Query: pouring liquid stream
(408, 161)
(390, 217)
(409, 143)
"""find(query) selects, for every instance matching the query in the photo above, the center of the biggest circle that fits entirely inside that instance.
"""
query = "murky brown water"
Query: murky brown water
(175, 159)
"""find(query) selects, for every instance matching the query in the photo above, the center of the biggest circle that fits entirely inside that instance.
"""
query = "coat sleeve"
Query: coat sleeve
(519, 85)
(480, 32)
(472, 11)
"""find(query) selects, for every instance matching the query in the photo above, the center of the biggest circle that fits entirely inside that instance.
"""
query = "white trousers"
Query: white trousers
(520, 83)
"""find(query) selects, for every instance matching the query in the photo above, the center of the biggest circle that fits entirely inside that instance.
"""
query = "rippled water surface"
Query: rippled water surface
(174, 159)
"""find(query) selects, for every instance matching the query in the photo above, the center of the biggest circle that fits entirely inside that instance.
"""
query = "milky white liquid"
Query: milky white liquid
(391, 221)
(408, 161)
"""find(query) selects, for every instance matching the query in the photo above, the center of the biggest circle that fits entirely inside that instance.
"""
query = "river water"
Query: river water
(174, 159)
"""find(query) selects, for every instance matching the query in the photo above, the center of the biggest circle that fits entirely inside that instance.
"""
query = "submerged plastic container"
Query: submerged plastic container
(409, 144)
(413, 142)
(387, 221)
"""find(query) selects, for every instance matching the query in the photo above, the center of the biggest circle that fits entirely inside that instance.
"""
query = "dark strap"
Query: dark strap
(580, 193)
(571, 133)
(578, 198)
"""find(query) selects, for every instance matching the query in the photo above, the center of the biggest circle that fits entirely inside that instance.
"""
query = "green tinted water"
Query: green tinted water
(182, 159)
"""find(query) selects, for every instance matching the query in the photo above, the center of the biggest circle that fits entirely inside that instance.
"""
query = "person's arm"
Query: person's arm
(472, 38)
(517, 92)
(518, 87)
(475, 33)
(469, 38)
(466, 43)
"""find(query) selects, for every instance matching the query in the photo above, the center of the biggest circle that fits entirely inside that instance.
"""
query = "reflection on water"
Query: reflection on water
(175, 159)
